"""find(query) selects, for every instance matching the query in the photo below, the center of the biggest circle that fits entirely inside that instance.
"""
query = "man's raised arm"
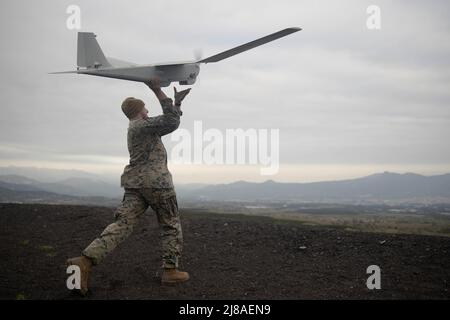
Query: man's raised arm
(155, 86)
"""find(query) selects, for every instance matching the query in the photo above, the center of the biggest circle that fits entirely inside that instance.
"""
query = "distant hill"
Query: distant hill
(84, 187)
(8, 195)
(16, 185)
(45, 174)
(31, 196)
(376, 187)
(74, 186)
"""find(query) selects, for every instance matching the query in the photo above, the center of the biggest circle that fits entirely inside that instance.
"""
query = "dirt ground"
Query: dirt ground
(227, 256)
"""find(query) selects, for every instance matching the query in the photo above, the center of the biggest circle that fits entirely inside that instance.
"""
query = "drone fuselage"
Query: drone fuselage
(183, 73)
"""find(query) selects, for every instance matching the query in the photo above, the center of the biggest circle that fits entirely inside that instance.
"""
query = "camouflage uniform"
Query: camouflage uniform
(147, 182)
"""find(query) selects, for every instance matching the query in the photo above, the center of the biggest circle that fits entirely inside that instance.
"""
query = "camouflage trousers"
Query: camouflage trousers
(135, 202)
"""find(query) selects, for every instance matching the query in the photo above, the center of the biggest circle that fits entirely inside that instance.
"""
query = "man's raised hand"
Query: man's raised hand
(154, 83)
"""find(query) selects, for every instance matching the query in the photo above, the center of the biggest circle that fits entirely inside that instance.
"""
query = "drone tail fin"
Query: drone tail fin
(89, 53)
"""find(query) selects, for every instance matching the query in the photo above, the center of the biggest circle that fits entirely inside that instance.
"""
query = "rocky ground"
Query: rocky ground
(227, 256)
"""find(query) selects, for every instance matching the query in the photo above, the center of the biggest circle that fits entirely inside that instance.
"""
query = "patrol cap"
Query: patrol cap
(132, 106)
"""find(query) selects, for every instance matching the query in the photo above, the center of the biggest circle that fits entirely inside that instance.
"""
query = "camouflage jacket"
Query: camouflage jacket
(148, 156)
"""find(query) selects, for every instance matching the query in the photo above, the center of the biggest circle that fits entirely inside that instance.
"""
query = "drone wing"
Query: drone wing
(249, 45)
(62, 72)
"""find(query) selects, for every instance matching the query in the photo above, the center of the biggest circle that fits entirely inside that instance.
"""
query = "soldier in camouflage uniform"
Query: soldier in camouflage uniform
(147, 182)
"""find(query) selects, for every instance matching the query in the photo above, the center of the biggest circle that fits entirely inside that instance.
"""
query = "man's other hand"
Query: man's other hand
(179, 96)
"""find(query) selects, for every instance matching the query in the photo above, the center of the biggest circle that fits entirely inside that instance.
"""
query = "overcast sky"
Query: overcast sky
(348, 101)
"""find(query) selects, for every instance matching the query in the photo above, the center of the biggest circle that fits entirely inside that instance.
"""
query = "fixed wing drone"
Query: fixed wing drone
(92, 61)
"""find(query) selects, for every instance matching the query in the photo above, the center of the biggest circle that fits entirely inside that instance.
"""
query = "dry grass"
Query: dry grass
(386, 223)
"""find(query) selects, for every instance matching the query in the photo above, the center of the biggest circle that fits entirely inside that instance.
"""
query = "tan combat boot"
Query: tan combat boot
(85, 267)
(174, 276)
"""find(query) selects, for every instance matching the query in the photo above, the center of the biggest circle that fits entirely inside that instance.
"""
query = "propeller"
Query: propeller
(198, 54)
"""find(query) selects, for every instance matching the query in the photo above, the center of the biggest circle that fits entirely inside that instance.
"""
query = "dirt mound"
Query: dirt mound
(227, 256)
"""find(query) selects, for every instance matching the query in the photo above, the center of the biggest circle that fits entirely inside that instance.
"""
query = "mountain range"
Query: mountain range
(379, 187)
(375, 187)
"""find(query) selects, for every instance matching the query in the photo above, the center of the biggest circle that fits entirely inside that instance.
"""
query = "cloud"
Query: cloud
(339, 93)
